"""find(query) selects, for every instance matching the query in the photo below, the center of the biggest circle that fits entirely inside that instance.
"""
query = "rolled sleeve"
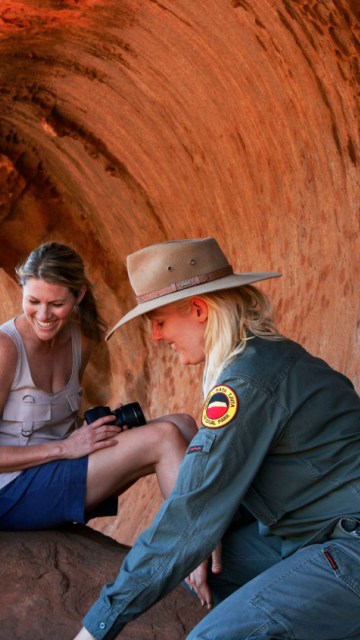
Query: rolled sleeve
(214, 477)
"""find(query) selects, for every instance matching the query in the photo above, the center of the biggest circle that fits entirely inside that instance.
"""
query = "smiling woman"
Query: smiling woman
(182, 327)
(52, 471)
(48, 307)
(47, 311)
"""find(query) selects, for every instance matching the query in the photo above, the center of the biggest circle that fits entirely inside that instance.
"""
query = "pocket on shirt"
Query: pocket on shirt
(194, 464)
(74, 400)
(27, 410)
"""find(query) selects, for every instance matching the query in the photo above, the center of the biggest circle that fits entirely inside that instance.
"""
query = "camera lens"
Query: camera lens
(138, 414)
(95, 413)
(130, 415)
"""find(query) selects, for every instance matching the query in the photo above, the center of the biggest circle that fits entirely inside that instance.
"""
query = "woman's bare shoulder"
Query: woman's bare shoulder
(7, 345)
(8, 359)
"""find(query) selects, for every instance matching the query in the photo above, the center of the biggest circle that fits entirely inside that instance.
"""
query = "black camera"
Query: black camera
(130, 415)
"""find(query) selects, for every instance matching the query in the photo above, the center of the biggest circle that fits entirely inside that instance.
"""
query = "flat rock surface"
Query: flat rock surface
(49, 580)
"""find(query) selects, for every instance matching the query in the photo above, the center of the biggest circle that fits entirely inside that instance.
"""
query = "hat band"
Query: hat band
(185, 284)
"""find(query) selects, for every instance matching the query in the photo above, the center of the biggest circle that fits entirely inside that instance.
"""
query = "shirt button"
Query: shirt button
(102, 625)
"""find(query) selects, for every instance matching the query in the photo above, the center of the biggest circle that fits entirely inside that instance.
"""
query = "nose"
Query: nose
(43, 313)
(156, 332)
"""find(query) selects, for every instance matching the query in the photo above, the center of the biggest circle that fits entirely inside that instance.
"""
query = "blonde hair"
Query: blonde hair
(235, 317)
(60, 264)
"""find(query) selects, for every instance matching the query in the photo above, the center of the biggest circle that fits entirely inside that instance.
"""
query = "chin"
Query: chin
(188, 361)
(44, 336)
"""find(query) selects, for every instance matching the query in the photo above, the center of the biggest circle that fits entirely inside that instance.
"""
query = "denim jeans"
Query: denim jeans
(312, 595)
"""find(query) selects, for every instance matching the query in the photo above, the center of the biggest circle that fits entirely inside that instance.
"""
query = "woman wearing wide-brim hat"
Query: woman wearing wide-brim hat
(274, 471)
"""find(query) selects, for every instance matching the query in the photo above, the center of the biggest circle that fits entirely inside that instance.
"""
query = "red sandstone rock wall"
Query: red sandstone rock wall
(129, 122)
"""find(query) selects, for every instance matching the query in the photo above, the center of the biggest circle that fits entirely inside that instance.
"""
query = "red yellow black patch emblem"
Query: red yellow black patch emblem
(220, 407)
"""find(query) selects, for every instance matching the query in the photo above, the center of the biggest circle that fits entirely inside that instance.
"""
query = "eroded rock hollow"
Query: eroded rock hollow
(129, 122)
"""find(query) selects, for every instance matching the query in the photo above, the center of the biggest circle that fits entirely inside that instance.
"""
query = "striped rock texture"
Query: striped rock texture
(129, 122)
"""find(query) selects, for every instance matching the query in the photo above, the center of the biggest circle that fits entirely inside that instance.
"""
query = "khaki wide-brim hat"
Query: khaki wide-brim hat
(170, 271)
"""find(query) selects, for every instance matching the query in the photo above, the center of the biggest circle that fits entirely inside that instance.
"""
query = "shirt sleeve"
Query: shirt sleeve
(215, 475)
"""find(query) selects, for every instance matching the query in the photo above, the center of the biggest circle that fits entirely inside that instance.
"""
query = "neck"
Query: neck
(58, 340)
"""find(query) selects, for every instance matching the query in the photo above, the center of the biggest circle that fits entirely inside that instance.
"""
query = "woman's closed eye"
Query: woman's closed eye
(53, 304)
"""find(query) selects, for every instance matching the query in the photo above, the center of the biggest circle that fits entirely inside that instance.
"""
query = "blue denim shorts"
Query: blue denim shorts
(48, 496)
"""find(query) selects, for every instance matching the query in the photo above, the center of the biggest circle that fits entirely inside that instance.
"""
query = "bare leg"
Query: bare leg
(157, 447)
(183, 421)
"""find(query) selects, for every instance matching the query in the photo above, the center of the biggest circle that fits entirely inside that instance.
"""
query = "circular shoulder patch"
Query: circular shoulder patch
(220, 407)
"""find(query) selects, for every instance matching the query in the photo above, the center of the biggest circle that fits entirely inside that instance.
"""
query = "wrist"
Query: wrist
(60, 450)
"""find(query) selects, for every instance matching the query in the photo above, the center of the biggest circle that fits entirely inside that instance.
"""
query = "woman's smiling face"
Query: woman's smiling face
(184, 331)
(48, 307)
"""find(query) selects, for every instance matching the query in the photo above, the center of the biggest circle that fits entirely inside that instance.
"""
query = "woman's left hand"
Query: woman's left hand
(197, 580)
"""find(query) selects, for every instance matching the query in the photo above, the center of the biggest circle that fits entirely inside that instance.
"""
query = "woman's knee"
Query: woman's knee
(169, 436)
(185, 423)
(188, 423)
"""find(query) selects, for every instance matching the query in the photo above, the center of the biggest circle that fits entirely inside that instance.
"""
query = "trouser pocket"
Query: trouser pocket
(345, 565)
(317, 598)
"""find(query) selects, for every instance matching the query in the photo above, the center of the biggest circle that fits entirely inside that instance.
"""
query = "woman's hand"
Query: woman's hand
(91, 437)
(197, 580)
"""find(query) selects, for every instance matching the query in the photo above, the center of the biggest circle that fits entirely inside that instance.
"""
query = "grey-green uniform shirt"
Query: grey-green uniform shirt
(290, 455)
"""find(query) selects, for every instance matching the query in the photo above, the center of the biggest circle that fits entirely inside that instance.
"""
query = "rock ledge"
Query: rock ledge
(49, 579)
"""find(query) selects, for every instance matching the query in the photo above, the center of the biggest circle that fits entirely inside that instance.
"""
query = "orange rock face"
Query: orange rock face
(129, 122)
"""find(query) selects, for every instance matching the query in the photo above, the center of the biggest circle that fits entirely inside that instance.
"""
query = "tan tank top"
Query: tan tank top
(32, 416)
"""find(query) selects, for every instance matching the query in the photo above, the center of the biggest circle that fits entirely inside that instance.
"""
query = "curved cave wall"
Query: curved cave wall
(129, 122)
